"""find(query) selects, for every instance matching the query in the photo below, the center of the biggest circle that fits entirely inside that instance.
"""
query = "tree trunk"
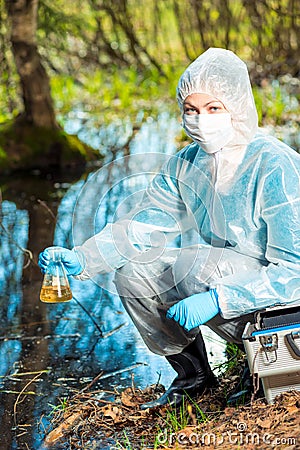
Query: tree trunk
(38, 104)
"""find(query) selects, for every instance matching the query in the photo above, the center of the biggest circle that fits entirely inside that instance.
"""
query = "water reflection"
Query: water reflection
(66, 339)
(13, 237)
(151, 135)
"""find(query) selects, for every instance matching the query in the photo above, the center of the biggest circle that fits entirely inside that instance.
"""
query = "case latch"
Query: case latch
(269, 344)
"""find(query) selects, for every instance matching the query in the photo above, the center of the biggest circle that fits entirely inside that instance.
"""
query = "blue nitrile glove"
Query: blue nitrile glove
(68, 258)
(195, 310)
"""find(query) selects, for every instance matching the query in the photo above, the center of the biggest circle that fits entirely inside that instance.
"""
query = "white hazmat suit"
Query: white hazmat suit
(243, 201)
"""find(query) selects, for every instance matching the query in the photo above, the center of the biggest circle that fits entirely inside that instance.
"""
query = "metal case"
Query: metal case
(273, 353)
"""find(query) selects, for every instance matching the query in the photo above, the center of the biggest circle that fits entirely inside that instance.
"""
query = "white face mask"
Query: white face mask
(211, 131)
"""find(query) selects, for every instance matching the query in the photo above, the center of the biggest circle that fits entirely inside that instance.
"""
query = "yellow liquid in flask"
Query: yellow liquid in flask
(55, 287)
(51, 294)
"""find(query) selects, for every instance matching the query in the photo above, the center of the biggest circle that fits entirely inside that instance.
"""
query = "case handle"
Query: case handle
(291, 341)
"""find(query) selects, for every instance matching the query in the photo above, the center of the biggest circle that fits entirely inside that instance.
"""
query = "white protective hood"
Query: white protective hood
(220, 73)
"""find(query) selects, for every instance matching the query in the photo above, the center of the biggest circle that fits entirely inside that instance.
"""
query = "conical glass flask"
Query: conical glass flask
(55, 287)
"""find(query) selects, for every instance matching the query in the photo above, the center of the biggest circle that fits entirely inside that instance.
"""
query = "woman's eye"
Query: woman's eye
(216, 108)
(189, 110)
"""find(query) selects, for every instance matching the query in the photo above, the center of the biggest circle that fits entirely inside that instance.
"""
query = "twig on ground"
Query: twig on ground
(117, 372)
(114, 330)
(89, 385)
(33, 338)
(23, 392)
(23, 374)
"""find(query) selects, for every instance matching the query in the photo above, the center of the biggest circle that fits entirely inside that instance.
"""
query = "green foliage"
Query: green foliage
(234, 356)
(176, 419)
(114, 95)
(60, 408)
(118, 57)
(119, 95)
(275, 104)
(116, 61)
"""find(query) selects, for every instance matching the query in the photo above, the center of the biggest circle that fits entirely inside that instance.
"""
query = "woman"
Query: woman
(240, 190)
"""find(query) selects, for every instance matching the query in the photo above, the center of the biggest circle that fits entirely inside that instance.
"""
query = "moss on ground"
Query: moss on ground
(23, 146)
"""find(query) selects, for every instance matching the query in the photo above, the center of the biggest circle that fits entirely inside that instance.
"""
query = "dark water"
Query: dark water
(49, 352)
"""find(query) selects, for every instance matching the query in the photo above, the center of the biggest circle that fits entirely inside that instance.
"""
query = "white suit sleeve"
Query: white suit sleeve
(279, 281)
(158, 219)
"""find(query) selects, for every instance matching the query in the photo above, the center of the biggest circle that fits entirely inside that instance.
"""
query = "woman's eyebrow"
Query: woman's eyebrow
(212, 101)
(206, 104)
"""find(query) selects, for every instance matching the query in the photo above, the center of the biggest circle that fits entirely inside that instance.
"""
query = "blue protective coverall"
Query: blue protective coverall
(243, 201)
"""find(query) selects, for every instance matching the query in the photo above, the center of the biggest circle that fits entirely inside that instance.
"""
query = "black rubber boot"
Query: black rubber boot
(194, 375)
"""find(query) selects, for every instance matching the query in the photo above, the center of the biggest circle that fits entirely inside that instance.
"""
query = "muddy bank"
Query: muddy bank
(87, 421)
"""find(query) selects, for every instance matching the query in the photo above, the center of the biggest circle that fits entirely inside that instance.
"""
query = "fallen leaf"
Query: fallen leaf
(111, 411)
(127, 398)
(292, 409)
(229, 411)
(266, 423)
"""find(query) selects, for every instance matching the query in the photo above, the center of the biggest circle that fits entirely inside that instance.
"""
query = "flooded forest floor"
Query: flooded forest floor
(65, 343)
(86, 421)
